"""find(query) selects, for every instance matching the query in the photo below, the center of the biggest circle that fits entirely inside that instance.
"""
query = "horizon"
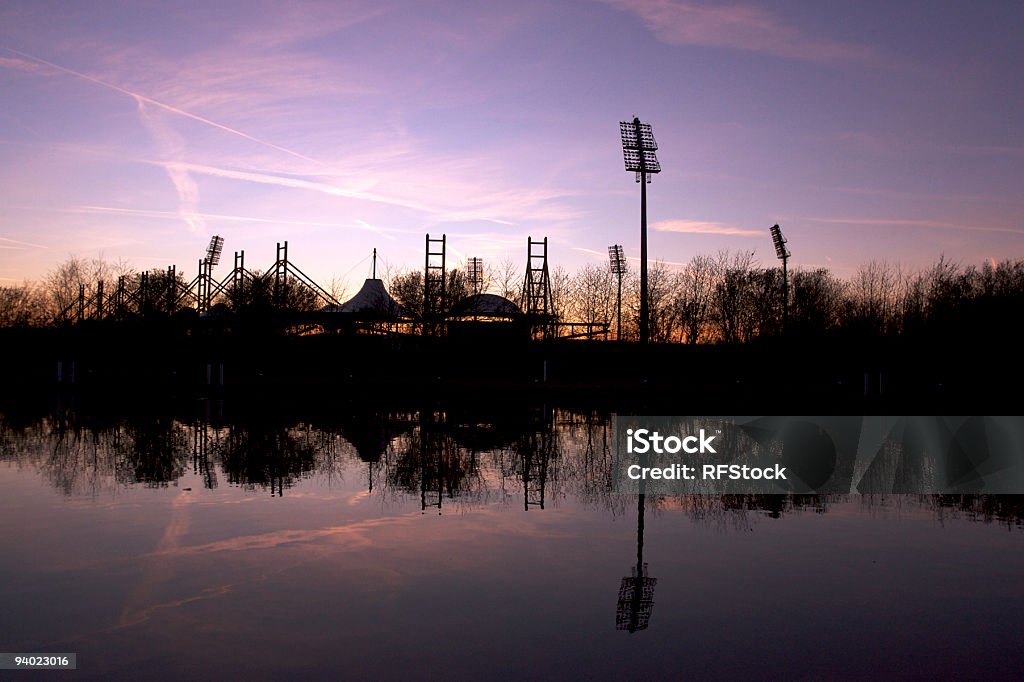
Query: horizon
(873, 133)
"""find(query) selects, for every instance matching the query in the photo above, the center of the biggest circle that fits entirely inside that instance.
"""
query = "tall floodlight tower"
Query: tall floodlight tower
(782, 252)
(206, 265)
(475, 274)
(617, 261)
(638, 147)
(636, 591)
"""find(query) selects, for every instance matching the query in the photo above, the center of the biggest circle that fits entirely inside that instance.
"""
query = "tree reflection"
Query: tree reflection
(264, 454)
(531, 458)
(429, 463)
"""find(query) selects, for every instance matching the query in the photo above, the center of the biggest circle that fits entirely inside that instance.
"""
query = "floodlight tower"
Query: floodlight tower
(636, 591)
(475, 274)
(206, 265)
(782, 252)
(638, 147)
(617, 260)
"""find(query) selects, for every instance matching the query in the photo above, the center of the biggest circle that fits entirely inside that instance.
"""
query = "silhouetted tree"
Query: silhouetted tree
(875, 298)
(261, 294)
(694, 291)
(817, 300)
(733, 295)
(22, 306)
(77, 277)
(592, 295)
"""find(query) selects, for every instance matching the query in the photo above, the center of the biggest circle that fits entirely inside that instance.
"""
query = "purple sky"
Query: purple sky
(881, 130)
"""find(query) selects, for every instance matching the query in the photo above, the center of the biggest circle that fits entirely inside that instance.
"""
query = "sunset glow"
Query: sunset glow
(135, 132)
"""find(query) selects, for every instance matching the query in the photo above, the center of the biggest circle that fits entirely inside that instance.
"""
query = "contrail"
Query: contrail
(171, 215)
(266, 178)
(167, 107)
(20, 243)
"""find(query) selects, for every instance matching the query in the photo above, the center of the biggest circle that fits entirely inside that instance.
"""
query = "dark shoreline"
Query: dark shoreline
(822, 376)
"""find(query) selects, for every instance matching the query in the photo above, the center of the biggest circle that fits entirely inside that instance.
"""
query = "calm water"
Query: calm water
(435, 544)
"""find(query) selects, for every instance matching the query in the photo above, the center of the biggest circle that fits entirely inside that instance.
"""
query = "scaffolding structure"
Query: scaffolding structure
(434, 285)
(163, 292)
(537, 303)
(537, 452)
(276, 290)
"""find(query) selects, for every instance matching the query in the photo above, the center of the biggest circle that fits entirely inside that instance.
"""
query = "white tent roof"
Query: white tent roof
(372, 299)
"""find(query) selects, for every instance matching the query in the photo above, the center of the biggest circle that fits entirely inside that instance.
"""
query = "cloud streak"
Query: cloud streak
(737, 27)
(170, 215)
(298, 183)
(704, 227)
(17, 244)
(926, 224)
(138, 97)
(172, 145)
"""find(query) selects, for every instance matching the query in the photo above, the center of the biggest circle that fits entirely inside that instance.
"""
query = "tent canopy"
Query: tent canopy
(372, 300)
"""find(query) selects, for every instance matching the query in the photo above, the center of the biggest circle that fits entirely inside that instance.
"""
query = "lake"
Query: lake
(218, 540)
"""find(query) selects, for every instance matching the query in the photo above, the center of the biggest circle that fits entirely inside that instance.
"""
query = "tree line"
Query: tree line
(726, 297)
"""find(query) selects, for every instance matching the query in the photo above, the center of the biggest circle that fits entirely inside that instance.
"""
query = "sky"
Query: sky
(873, 130)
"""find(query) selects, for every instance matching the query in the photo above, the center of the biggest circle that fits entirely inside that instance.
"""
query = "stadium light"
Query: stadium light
(617, 260)
(475, 274)
(214, 250)
(782, 253)
(638, 147)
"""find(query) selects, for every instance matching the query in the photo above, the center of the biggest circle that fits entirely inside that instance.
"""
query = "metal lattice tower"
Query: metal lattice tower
(206, 265)
(120, 297)
(237, 276)
(475, 274)
(281, 274)
(538, 450)
(537, 301)
(434, 283)
(171, 291)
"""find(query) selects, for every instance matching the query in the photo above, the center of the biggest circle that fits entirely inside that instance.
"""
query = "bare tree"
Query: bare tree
(733, 294)
(694, 292)
(592, 298)
(407, 289)
(506, 279)
(662, 316)
(72, 282)
(560, 282)
(817, 302)
(875, 296)
(22, 306)
(337, 288)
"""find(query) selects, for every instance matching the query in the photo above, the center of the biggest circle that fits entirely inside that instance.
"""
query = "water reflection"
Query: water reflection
(225, 527)
(636, 592)
(529, 457)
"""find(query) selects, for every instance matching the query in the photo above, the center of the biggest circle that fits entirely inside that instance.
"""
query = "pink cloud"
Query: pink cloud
(926, 224)
(704, 227)
(738, 27)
